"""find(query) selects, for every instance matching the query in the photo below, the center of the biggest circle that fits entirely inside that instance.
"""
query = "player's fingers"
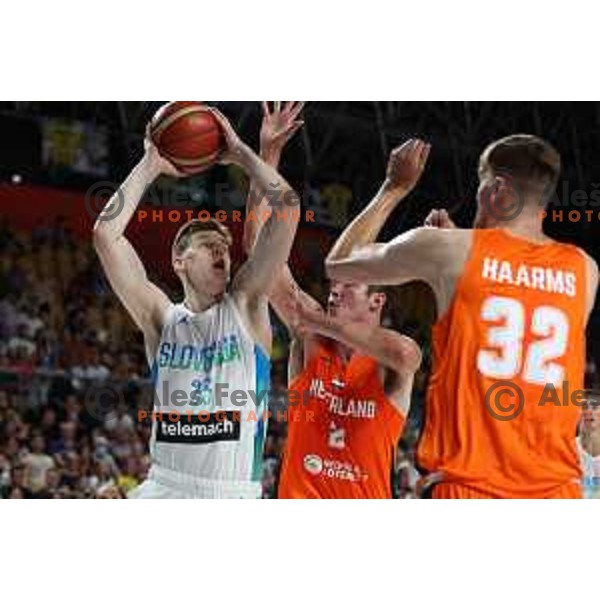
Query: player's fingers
(222, 119)
(297, 109)
(403, 148)
(265, 108)
(277, 106)
(414, 151)
(424, 155)
(291, 130)
(430, 220)
(402, 151)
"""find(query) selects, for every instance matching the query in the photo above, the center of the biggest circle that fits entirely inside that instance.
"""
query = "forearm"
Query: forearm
(366, 227)
(275, 238)
(377, 342)
(118, 212)
(257, 210)
(270, 187)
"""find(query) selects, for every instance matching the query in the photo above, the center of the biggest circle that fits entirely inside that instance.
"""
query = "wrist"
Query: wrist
(270, 155)
(150, 165)
(392, 191)
(244, 156)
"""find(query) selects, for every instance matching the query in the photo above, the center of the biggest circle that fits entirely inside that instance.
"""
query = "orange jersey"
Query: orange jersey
(342, 432)
(507, 356)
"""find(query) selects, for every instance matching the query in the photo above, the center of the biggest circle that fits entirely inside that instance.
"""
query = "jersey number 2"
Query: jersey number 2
(505, 361)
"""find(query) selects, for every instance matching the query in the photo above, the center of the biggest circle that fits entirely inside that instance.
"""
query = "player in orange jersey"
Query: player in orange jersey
(353, 378)
(509, 342)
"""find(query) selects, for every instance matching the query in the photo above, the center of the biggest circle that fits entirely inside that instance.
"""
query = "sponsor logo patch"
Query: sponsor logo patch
(222, 426)
(313, 464)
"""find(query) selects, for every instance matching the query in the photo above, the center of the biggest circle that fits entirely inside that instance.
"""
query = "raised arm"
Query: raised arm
(274, 241)
(143, 300)
(419, 254)
(405, 167)
(278, 126)
(277, 129)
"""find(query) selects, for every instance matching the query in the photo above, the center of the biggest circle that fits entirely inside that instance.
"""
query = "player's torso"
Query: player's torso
(211, 383)
(508, 355)
(342, 431)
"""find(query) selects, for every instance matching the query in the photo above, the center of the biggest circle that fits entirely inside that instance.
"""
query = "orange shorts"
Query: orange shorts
(446, 491)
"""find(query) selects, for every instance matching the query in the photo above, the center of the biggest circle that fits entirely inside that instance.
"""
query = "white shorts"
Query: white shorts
(166, 484)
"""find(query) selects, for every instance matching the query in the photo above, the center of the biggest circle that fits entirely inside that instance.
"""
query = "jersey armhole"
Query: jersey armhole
(230, 300)
(167, 319)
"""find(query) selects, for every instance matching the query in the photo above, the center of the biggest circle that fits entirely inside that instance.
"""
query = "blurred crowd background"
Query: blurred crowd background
(72, 367)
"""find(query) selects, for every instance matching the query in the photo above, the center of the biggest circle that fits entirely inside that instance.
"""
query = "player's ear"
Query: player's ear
(177, 264)
(378, 301)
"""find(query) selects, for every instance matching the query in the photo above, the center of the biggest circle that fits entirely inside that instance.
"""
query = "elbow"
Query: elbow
(403, 354)
(101, 235)
(98, 234)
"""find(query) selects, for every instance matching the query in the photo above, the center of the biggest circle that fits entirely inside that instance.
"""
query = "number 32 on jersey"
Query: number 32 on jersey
(509, 357)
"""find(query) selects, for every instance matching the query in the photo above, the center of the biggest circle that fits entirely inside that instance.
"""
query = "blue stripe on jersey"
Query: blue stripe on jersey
(263, 380)
(154, 373)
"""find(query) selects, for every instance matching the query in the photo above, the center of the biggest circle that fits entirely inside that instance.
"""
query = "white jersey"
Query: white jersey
(591, 473)
(211, 383)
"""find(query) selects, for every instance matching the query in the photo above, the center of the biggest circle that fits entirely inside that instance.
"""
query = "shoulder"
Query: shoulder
(172, 312)
(444, 245)
(592, 265)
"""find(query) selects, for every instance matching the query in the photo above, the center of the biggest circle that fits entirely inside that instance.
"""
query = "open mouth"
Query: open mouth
(219, 265)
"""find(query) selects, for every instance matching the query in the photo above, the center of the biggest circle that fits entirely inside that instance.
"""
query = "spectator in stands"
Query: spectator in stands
(37, 464)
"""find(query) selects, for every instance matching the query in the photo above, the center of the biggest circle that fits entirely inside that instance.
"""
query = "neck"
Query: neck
(525, 225)
(343, 350)
(199, 302)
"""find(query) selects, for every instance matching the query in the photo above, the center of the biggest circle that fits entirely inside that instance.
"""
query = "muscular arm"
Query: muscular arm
(365, 229)
(404, 169)
(275, 238)
(416, 254)
(144, 301)
(390, 348)
(278, 127)
(398, 355)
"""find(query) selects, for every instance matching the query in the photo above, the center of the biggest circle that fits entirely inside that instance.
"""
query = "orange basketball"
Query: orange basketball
(187, 135)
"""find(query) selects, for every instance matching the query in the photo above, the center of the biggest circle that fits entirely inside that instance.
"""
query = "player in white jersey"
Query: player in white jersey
(210, 354)
(589, 445)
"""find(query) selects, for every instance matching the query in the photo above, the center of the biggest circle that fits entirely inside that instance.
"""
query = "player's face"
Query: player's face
(350, 302)
(206, 262)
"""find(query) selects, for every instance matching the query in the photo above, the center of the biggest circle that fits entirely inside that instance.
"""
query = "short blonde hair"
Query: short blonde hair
(183, 238)
(530, 162)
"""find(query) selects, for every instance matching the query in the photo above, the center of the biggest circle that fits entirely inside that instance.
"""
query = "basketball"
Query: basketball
(187, 135)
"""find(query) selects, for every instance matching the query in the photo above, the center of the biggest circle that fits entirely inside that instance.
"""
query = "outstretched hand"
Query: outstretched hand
(279, 125)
